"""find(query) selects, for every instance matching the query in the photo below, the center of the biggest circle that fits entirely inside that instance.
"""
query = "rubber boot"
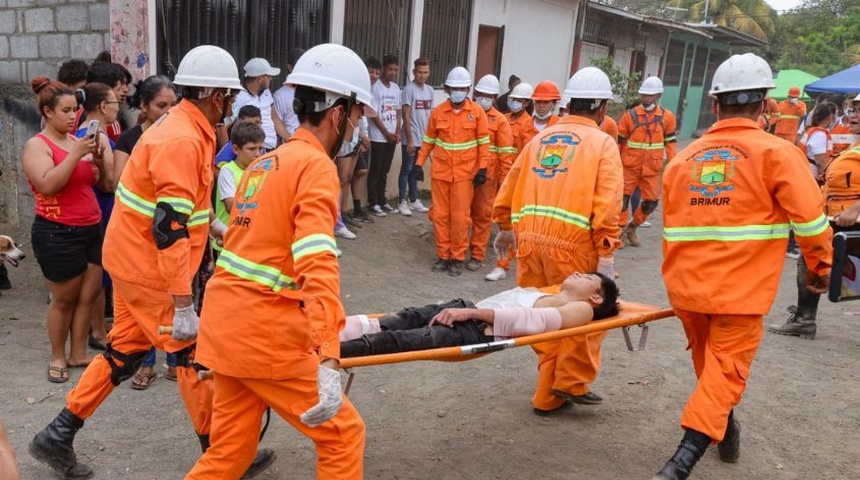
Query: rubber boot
(730, 447)
(689, 452)
(53, 446)
(264, 458)
(801, 322)
(630, 234)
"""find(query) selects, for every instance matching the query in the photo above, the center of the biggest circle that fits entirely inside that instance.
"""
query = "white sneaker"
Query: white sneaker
(344, 232)
(645, 224)
(403, 208)
(377, 211)
(418, 206)
(498, 273)
(388, 208)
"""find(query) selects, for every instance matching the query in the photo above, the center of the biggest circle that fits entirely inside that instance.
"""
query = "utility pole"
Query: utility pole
(705, 15)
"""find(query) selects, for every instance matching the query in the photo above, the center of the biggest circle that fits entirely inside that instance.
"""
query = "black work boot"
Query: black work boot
(689, 452)
(264, 458)
(441, 265)
(798, 325)
(455, 268)
(53, 446)
(730, 447)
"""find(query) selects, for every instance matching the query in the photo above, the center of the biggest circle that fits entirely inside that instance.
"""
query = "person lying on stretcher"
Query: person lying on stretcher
(513, 313)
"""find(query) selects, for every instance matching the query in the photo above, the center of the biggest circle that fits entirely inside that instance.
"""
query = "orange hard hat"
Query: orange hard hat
(794, 92)
(546, 90)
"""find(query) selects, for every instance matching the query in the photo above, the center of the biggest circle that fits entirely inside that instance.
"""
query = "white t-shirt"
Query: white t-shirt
(226, 184)
(515, 297)
(284, 108)
(264, 103)
(816, 145)
(386, 101)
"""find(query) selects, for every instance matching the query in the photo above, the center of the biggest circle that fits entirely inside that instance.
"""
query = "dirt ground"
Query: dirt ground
(473, 420)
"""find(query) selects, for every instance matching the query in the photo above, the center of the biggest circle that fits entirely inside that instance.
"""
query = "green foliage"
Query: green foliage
(753, 17)
(624, 85)
(820, 37)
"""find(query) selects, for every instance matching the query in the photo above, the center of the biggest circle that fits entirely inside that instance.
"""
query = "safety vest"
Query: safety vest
(842, 181)
(805, 139)
(656, 139)
(221, 212)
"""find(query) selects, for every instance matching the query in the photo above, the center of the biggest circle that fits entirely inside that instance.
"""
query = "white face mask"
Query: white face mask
(792, 101)
(349, 146)
(543, 117)
(457, 97)
(650, 107)
(515, 105)
(485, 102)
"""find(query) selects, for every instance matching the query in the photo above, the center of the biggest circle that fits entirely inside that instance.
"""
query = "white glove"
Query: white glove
(606, 266)
(185, 323)
(331, 398)
(505, 239)
(217, 230)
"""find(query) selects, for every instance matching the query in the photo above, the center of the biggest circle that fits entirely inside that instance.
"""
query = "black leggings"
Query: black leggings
(381, 156)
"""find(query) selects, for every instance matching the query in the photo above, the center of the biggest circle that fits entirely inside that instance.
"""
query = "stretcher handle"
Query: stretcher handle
(162, 330)
(833, 219)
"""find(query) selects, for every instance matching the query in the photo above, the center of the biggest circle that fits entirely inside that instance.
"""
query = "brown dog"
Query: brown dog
(9, 251)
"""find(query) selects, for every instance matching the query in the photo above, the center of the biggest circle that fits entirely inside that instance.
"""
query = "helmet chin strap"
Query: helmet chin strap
(341, 131)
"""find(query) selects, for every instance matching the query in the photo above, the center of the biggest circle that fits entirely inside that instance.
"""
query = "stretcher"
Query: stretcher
(631, 314)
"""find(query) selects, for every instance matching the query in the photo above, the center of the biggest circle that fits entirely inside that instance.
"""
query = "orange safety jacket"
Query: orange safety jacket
(172, 163)
(502, 150)
(729, 200)
(805, 139)
(788, 120)
(842, 181)
(522, 128)
(564, 190)
(273, 306)
(610, 127)
(770, 115)
(842, 138)
(459, 141)
(644, 135)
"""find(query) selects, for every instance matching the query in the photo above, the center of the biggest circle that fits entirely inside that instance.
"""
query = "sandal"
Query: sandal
(171, 374)
(58, 374)
(79, 365)
(142, 381)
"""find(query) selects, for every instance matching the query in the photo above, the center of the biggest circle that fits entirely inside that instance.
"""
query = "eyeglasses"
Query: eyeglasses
(107, 102)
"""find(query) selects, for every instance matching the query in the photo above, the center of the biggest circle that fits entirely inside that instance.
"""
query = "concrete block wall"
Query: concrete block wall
(36, 36)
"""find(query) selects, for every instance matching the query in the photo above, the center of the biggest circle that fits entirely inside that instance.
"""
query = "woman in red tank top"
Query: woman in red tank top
(66, 237)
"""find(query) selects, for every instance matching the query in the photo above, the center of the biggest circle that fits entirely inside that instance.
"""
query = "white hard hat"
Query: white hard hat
(651, 86)
(257, 67)
(522, 90)
(208, 66)
(589, 83)
(488, 84)
(857, 98)
(740, 73)
(458, 77)
(336, 70)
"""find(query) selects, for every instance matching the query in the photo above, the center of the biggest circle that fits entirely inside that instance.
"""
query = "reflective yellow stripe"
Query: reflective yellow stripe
(788, 116)
(430, 140)
(484, 140)
(267, 276)
(200, 217)
(645, 146)
(507, 149)
(315, 243)
(494, 149)
(670, 139)
(810, 229)
(726, 234)
(552, 212)
(134, 202)
(179, 204)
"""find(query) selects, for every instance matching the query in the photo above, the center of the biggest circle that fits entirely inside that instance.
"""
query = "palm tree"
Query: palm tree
(753, 17)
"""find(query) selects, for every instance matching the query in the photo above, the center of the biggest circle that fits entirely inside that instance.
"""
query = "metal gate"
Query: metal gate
(245, 28)
(376, 28)
(445, 36)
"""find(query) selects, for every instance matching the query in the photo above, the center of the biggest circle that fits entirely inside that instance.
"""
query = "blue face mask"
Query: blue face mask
(515, 105)
(458, 97)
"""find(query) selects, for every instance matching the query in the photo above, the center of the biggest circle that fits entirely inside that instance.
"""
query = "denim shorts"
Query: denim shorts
(64, 251)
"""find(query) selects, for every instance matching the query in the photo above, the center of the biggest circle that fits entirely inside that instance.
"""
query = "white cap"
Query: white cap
(257, 67)
(651, 86)
(488, 84)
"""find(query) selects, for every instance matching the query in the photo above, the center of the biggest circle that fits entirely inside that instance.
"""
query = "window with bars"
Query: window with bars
(376, 28)
(674, 63)
(445, 36)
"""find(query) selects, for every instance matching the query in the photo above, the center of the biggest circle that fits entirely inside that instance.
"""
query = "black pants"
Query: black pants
(381, 156)
(408, 331)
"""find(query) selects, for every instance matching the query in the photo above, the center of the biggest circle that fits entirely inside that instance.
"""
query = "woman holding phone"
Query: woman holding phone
(61, 171)
(102, 107)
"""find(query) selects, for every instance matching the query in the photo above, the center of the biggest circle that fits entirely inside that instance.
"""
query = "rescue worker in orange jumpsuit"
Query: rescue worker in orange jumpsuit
(545, 96)
(791, 112)
(729, 200)
(841, 133)
(842, 194)
(644, 133)
(768, 118)
(559, 205)
(153, 245)
(521, 122)
(502, 156)
(279, 263)
(458, 137)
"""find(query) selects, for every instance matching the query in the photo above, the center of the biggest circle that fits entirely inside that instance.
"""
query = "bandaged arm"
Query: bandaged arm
(520, 321)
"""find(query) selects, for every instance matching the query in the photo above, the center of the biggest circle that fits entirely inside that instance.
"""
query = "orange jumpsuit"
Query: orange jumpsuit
(502, 156)
(729, 200)
(842, 138)
(610, 127)
(788, 121)
(522, 128)
(273, 312)
(770, 115)
(460, 144)
(145, 278)
(562, 198)
(842, 186)
(643, 137)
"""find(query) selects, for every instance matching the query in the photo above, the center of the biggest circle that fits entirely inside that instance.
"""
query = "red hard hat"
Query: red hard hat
(794, 92)
(546, 90)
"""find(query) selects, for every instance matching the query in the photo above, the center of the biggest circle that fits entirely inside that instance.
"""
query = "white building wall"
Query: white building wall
(539, 37)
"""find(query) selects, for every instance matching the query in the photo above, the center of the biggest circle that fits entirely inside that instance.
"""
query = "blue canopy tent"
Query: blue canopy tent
(846, 81)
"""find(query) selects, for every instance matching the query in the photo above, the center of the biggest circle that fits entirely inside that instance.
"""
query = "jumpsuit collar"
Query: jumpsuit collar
(733, 123)
(306, 136)
(195, 114)
(578, 120)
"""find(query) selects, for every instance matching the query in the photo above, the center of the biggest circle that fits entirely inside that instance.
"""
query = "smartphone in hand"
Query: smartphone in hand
(92, 129)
